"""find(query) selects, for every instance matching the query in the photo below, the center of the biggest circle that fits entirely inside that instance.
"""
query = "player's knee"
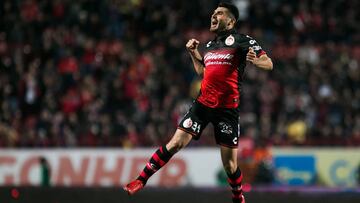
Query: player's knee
(179, 141)
(175, 146)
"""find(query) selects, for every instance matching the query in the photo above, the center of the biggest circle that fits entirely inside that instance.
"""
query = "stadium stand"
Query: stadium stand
(116, 73)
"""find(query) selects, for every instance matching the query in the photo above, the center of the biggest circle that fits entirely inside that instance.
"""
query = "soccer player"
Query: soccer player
(222, 68)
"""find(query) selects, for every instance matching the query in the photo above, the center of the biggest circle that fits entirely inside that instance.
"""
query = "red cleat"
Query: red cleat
(133, 187)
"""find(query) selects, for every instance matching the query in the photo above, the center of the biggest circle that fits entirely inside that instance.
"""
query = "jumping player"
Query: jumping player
(222, 68)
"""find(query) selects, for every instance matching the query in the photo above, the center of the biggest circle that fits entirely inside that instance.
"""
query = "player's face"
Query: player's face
(219, 20)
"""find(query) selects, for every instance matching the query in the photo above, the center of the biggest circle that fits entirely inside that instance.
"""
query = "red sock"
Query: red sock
(235, 180)
(157, 160)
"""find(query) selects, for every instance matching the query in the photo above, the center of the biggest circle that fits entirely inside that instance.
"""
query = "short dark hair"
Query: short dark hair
(231, 7)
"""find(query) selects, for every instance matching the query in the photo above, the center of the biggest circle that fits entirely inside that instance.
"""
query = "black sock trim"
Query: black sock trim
(142, 179)
(165, 156)
(238, 192)
(155, 163)
(148, 171)
(235, 175)
(166, 152)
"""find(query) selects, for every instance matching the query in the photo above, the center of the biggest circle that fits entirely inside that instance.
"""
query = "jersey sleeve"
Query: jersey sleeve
(257, 48)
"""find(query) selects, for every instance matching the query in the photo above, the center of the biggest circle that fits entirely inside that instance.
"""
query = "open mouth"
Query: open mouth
(214, 22)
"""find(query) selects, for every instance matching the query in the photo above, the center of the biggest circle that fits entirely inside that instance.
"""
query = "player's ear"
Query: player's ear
(231, 22)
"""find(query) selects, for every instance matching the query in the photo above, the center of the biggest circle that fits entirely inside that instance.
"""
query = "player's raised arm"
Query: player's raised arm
(263, 61)
(192, 47)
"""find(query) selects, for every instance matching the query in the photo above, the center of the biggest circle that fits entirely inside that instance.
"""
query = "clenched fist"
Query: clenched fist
(192, 45)
(251, 56)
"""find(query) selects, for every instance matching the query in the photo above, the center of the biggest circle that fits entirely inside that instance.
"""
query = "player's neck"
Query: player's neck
(225, 32)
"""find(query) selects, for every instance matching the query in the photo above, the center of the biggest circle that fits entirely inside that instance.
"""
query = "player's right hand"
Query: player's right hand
(192, 45)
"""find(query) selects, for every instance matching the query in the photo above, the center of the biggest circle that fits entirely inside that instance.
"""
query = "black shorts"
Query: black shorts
(224, 120)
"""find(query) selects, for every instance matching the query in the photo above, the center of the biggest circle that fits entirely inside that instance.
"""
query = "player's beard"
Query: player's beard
(220, 26)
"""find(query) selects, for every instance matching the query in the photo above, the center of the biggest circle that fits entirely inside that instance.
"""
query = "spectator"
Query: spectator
(115, 73)
(45, 172)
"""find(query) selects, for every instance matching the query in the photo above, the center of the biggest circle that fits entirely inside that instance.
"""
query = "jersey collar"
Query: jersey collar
(225, 33)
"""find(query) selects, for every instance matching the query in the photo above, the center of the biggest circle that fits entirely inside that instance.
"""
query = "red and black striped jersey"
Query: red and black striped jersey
(225, 61)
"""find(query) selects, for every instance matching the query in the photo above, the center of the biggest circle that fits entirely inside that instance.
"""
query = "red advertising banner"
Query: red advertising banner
(98, 167)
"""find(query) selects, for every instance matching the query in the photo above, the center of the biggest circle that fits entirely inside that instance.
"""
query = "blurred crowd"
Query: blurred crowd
(116, 72)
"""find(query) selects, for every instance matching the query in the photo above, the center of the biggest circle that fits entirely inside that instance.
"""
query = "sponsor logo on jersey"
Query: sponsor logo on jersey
(230, 40)
(216, 56)
(187, 123)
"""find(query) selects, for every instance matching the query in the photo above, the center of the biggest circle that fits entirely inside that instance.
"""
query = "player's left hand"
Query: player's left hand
(251, 56)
